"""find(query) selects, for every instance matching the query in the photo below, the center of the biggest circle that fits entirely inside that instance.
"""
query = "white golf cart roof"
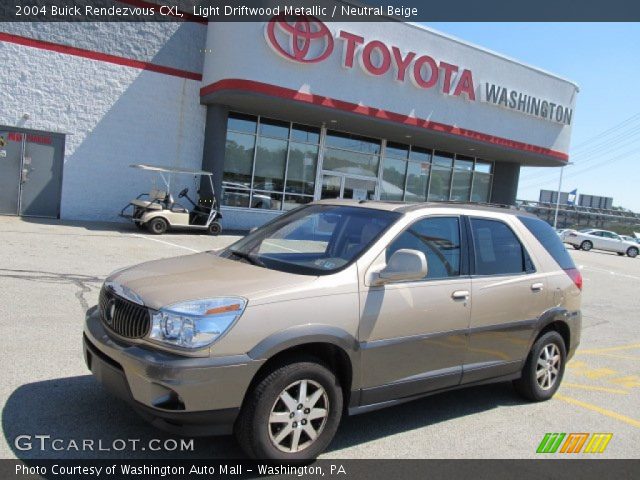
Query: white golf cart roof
(159, 168)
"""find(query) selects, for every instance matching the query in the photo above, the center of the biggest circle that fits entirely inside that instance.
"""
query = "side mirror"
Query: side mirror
(404, 265)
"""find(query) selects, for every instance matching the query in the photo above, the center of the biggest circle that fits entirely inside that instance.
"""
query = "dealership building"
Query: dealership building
(282, 112)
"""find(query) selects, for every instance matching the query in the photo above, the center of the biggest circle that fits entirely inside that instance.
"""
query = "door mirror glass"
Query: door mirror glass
(404, 265)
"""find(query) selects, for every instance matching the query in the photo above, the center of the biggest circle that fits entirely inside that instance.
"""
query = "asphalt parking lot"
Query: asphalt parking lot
(50, 273)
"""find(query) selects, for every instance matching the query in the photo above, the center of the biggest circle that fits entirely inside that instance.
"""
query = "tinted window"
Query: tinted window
(439, 239)
(497, 249)
(549, 240)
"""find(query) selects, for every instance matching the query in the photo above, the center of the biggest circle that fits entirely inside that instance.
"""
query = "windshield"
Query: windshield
(313, 240)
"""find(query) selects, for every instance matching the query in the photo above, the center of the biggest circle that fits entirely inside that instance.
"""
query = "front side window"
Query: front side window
(497, 249)
(313, 240)
(439, 239)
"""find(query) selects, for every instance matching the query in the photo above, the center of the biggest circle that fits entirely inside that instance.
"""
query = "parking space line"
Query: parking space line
(602, 411)
(166, 243)
(595, 389)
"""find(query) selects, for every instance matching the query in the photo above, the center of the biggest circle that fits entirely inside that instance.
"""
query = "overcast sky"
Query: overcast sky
(604, 60)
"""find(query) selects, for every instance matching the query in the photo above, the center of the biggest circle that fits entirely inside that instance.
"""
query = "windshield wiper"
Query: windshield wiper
(248, 257)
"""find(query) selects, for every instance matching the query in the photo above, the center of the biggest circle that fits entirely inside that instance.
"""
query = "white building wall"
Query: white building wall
(112, 115)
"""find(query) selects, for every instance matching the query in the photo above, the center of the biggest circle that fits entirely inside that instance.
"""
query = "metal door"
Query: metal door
(31, 173)
(10, 161)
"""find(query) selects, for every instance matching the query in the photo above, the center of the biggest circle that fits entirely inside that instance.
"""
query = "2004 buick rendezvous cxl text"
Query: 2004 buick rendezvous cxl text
(338, 307)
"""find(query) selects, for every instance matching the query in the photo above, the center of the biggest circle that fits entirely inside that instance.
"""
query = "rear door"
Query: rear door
(10, 160)
(508, 297)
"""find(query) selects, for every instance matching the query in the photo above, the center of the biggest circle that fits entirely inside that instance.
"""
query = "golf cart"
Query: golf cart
(157, 211)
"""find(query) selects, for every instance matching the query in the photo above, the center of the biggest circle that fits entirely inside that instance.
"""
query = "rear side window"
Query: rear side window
(497, 249)
(549, 240)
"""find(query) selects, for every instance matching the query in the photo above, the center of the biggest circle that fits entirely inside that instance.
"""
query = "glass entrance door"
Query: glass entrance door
(347, 186)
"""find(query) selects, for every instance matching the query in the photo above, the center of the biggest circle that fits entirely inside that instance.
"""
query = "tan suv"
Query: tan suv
(335, 308)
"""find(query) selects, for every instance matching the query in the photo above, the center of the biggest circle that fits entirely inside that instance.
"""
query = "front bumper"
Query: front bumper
(184, 395)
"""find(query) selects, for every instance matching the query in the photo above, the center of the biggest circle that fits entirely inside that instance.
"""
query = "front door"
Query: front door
(347, 186)
(414, 334)
(30, 173)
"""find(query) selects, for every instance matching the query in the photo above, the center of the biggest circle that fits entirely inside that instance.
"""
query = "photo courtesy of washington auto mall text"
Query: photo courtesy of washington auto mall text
(319, 238)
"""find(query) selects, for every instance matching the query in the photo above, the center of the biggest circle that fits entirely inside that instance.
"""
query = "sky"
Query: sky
(604, 60)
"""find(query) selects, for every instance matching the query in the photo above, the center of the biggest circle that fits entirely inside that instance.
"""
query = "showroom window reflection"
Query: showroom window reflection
(269, 164)
(272, 164)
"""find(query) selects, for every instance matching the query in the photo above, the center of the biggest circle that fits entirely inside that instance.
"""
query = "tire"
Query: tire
(620, 254)
(576, 247)
(215, 228)
(632, 252)
(259, 438)
(140, 226)
(528, 385)
(586, 245)
(157, 226)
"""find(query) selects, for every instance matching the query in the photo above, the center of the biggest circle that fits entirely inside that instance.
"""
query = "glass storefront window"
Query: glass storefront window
(417, 181)
(238, 159)
(271, 158)
(440, 177)
(266, 200)
(301, 174)
(396, 150)
(242, 123)
(481, 187)
(354, 143)
(274, 128)
(461, 184)
(352, 163)
(294, 201)
(393, 177)
(303, 133)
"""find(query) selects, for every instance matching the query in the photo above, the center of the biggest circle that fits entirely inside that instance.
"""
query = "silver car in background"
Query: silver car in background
(600, 240)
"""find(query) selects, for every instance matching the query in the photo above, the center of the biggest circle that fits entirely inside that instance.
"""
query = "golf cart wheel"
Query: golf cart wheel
(215, 228)
(157, 226)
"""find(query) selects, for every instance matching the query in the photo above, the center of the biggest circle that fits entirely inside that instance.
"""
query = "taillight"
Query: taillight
(575, 275)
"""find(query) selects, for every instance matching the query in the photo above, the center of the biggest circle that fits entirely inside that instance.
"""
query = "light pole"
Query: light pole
(555, 217)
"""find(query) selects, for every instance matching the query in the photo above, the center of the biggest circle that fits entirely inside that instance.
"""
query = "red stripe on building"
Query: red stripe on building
(102, 57)
(187, 17)
(289, 94)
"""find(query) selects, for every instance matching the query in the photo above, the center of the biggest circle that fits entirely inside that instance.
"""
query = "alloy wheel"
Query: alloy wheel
(548, 367)
(298, 416)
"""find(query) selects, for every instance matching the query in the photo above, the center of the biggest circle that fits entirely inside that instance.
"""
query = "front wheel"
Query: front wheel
(544, 368)
(632, 252)
(586, 245)
(292, 414)
(215, 228)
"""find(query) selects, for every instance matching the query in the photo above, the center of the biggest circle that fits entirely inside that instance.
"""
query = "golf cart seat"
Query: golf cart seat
(146, 204)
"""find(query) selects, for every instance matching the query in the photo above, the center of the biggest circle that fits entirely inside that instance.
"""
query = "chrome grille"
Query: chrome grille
(126, 318)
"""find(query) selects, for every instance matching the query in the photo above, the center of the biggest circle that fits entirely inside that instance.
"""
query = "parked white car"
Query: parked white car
(600, 240)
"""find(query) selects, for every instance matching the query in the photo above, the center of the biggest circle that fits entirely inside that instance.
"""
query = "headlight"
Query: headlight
(197, 323)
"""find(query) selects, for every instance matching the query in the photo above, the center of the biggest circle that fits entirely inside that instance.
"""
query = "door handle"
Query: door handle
(537, 287)
(460, 295)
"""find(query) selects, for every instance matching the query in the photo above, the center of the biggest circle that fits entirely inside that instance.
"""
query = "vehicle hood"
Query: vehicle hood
(204, 275)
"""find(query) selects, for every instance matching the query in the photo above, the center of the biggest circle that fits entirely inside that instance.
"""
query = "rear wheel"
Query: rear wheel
(577, 247)
(291, 414)
(215, 228)
(586, 245)
(157, 226)
(632, 252)
(544, 368)
(621, 254)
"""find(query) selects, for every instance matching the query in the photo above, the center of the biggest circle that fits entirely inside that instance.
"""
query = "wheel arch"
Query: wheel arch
(553, 320)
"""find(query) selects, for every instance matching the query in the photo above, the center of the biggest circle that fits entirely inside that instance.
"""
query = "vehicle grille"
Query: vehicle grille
(129, 319)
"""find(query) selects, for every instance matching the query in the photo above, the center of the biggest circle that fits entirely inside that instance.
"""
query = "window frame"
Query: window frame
(464, 250)
(527, 258)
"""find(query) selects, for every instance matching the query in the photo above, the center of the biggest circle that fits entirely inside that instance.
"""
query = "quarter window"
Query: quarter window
(439, 239)
(497, 249)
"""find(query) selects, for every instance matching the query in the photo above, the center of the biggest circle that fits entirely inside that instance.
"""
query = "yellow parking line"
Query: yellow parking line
(613, 355)
(595, 389)
(602, 411)
(610, 349)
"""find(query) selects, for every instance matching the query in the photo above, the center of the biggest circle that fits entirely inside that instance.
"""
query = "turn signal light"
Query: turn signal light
(226, 308)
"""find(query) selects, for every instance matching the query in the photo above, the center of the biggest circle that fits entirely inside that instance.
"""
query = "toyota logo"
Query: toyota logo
(305, 40)
(110, 311)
